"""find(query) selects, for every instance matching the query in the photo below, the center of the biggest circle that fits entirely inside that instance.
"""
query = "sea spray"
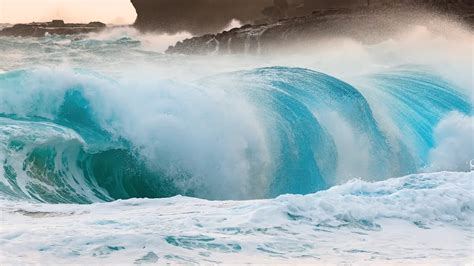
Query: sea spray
(272, 131)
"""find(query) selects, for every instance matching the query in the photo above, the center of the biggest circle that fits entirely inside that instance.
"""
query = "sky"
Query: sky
(107, 11)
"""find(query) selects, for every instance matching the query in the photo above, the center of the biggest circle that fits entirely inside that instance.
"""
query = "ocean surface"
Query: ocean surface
(341, 152)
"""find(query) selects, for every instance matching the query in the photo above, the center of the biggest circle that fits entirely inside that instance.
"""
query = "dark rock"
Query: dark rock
(195, 16)
(57, 23)
(96, 24)
(365, 24)
(210, 16)
(55, 27)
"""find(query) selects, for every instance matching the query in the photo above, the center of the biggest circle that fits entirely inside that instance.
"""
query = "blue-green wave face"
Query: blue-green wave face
(77, 136)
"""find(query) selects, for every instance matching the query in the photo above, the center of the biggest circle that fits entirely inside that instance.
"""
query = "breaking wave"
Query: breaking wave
(77, 136)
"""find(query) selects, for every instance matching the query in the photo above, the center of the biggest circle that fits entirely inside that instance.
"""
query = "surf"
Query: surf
(78, 136)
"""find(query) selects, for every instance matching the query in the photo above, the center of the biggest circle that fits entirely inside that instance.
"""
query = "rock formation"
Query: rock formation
(211, 16)
(195, 16)
(55, 27)
(382, 18)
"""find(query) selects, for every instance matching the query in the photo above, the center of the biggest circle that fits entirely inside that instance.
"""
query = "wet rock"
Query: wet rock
(55, 27)
(369, 24)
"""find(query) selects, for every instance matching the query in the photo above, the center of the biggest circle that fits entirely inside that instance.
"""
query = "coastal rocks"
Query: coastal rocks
(284, 33)
(55, 27)
(199, 17)
(365, 24)
(195, 16)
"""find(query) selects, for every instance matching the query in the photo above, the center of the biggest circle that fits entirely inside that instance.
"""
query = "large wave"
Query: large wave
(79, 136)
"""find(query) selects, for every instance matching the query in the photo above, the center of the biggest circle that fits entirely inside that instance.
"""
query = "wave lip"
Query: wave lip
(259, 133)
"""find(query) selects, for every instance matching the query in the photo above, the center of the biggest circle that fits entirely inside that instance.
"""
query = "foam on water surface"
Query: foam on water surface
(424, 218)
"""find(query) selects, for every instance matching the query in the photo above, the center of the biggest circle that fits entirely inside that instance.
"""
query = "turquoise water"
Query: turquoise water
(100, 132)
(78, 136)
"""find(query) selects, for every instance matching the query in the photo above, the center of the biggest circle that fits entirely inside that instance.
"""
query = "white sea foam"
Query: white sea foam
(157, 42)
(454, 149)
(425, 218)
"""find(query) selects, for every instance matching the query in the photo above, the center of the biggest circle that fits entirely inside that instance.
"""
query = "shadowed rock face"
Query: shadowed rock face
(55, 27)
(211, 16)
(195, 16)
(366, 24)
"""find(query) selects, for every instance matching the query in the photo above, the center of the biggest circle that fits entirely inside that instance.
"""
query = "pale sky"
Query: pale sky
(107, 11)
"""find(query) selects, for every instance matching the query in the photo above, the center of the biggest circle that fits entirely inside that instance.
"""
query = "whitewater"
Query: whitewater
(338, 152)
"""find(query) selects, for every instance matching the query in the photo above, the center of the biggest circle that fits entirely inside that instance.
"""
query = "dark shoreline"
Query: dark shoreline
(367, 24)
(55, 27)
(362, 24)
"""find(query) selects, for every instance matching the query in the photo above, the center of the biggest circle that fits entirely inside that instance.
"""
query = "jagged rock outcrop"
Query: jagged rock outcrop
(367, 24)
(199, 17)
(211, 16)
(195, 16)
(55, 27)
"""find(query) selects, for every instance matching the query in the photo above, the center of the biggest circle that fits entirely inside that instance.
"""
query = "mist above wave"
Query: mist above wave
(124, 48)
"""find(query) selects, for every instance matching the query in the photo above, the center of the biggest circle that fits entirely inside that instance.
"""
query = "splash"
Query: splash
(77, 136)
(88, 126)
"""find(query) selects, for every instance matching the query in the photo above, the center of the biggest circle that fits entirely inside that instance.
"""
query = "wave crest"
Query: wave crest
(248, 134)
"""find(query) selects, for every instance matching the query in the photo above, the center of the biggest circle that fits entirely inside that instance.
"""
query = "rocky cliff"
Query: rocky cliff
(367, 24)
(55, 27)
(194, 16)
(210, 16)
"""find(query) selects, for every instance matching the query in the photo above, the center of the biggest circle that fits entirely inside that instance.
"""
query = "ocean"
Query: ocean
(341, 152)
